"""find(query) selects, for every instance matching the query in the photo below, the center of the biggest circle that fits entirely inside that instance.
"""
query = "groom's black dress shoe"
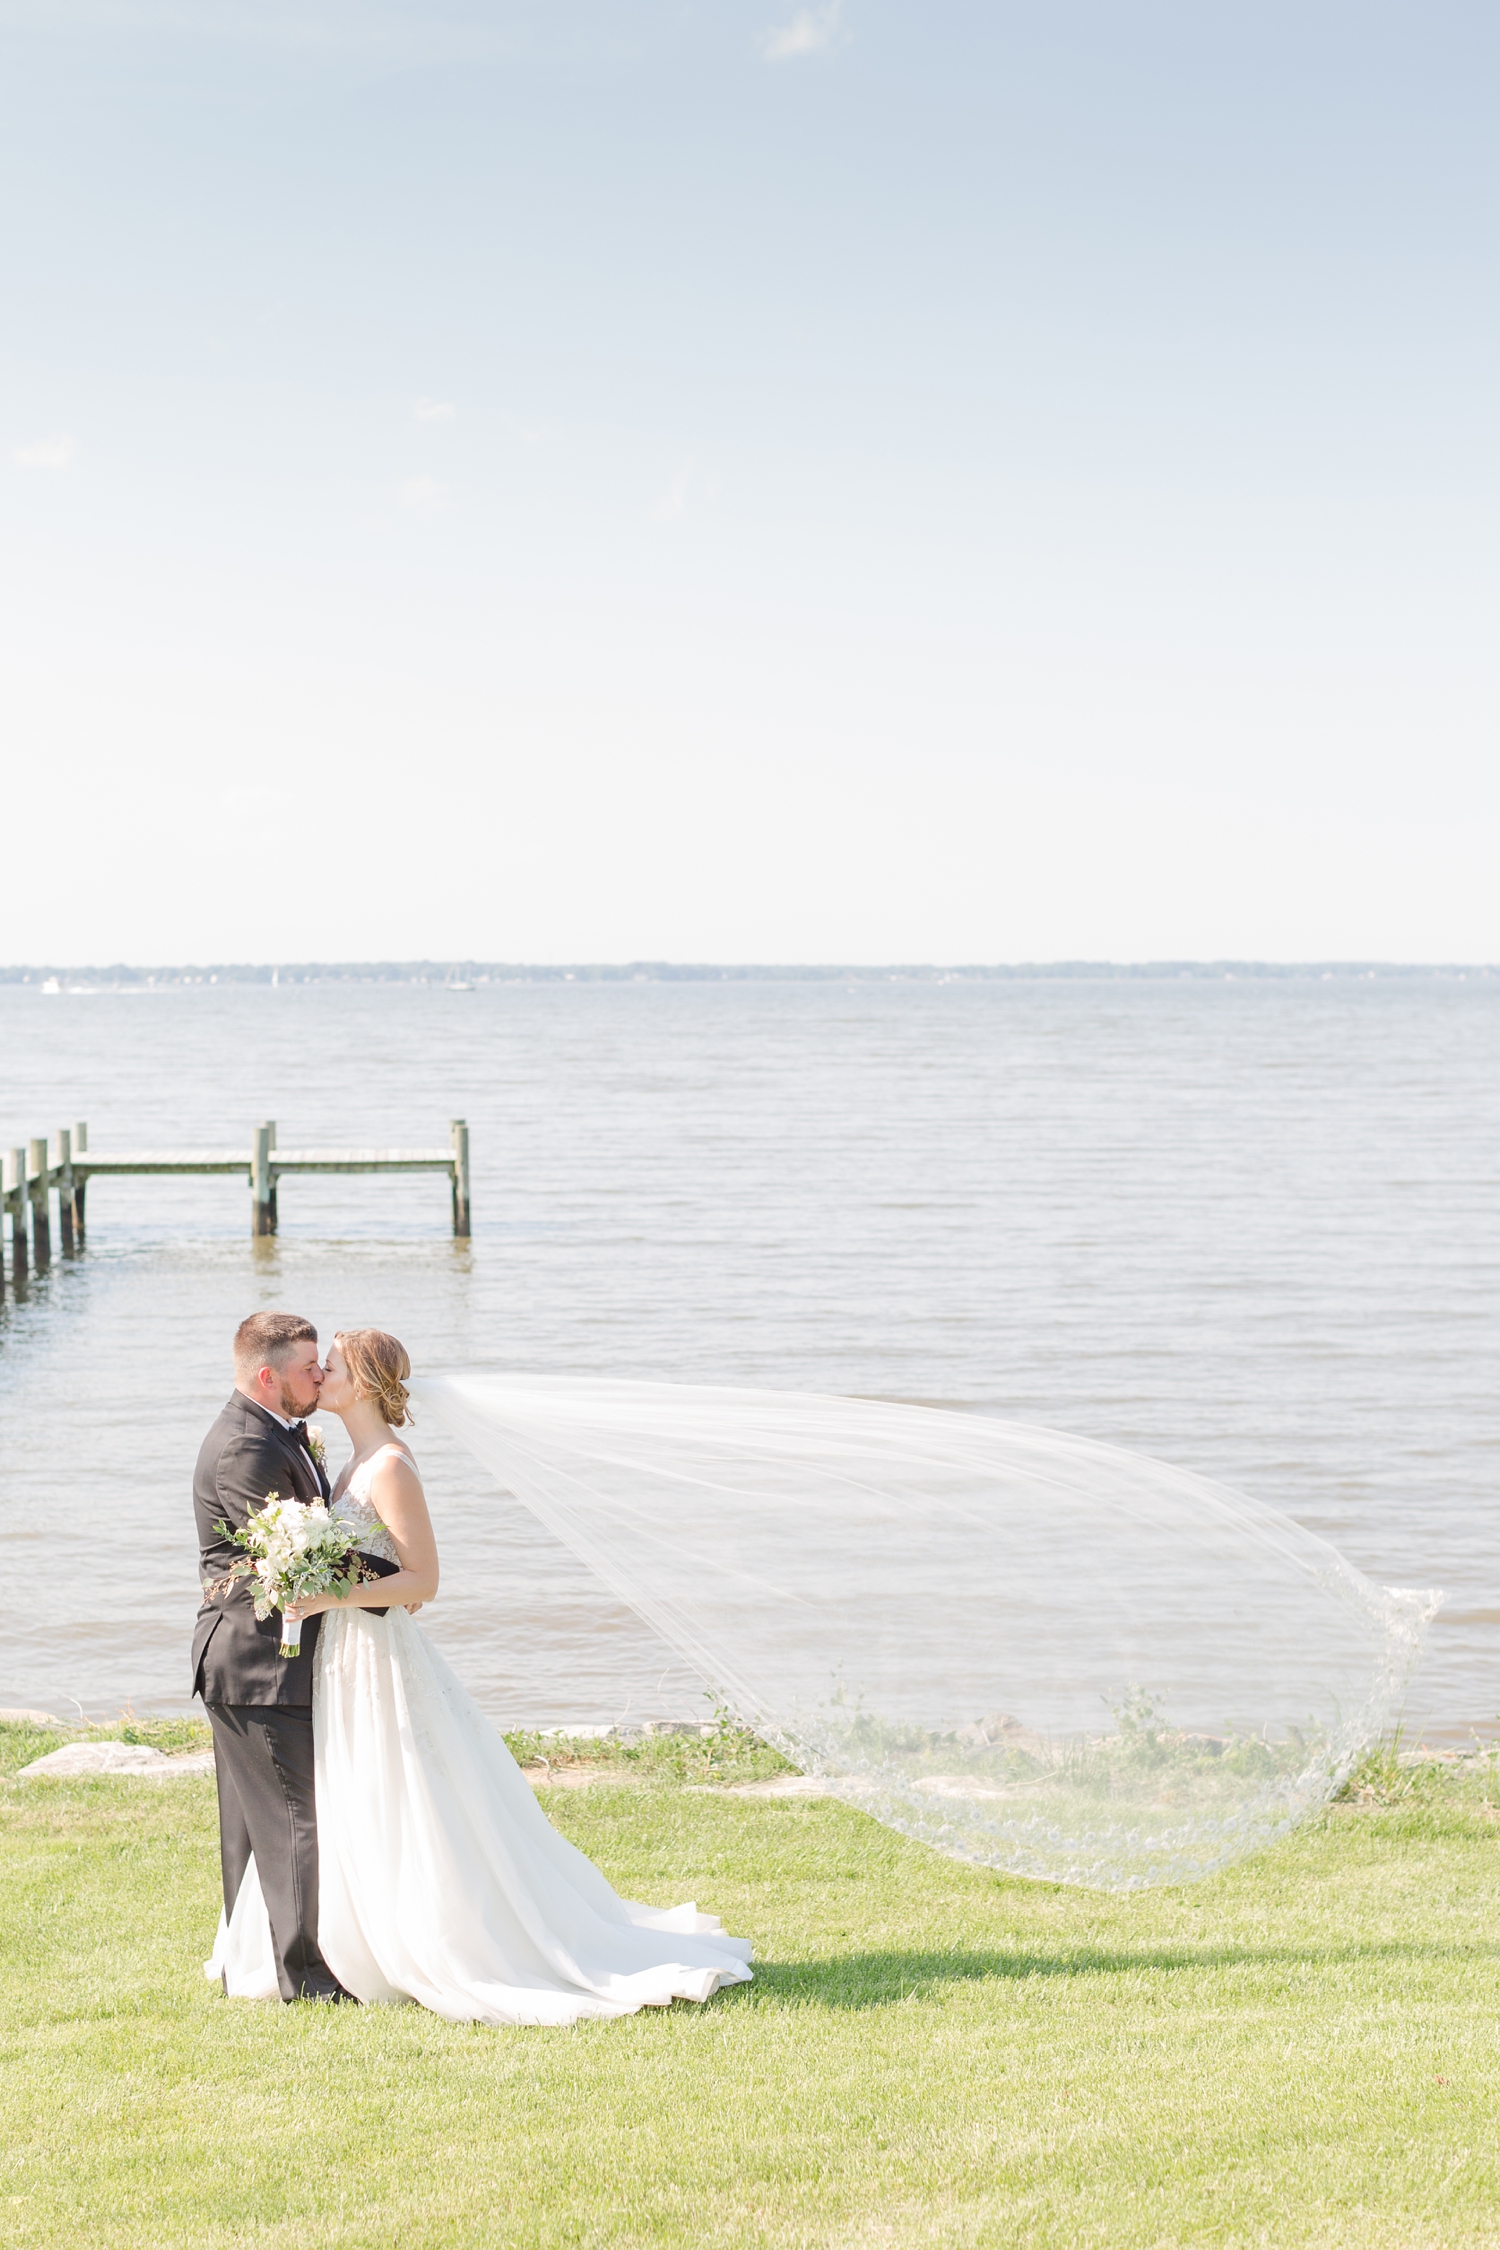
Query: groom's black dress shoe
(330, 1995)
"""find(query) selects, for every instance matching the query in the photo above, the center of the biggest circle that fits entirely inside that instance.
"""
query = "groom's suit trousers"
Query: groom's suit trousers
(263, 1754)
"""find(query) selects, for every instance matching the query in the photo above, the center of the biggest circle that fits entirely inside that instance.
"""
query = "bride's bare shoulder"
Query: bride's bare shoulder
(391, 1459)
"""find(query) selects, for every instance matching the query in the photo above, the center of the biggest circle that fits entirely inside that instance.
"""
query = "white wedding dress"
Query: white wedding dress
(441, 1880)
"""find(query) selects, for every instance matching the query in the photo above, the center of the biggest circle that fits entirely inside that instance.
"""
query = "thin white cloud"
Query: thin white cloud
(689, 488)
(424, 494)
(434, 410)
(47, 453)
(812, 31)
(675, 499)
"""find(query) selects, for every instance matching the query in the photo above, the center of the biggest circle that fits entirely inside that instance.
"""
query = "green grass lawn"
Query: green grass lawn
(1303, 2050)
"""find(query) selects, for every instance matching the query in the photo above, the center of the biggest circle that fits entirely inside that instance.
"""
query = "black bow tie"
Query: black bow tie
(297, 1432)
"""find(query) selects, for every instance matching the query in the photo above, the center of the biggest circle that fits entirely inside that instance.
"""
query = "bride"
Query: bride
(441, 1879)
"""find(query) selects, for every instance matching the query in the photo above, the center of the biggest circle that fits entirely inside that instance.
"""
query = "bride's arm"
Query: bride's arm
(397, 1496)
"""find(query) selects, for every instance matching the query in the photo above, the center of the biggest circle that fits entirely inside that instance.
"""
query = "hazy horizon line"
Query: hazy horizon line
(468, 969)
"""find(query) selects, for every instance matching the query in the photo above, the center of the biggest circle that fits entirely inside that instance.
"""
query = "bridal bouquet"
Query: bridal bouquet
(295, 1551)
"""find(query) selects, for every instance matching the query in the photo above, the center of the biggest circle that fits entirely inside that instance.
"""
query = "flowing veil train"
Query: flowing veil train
(1032, 1651)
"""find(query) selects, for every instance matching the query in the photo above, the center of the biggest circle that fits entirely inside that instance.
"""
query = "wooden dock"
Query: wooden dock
(34, 1175)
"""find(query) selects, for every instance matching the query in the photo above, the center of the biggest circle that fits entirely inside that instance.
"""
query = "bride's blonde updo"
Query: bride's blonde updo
(378, 1368)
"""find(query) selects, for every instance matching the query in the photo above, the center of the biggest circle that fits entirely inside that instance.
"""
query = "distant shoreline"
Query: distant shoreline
(118, 976)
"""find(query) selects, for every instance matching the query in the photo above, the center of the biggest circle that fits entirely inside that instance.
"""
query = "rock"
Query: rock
(959, 1785)
(29, 1719)
(77, 1759)
(781, 1785)
(578, 1777)
(997, 1730)
(96, 1757)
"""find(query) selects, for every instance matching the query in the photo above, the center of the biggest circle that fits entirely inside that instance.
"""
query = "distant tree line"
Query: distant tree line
(704, 972)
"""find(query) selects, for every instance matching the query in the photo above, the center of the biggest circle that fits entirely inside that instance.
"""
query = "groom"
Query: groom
(259, 1702)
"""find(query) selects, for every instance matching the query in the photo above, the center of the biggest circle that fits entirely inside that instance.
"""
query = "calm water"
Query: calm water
(1252, 1227)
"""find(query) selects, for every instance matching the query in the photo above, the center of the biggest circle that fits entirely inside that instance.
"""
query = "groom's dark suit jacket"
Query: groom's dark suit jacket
(246, 1456)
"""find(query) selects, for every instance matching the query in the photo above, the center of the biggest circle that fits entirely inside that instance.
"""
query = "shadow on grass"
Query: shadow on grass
(880, 1980)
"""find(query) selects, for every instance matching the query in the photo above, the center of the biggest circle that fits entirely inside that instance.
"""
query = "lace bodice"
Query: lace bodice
(355, 1508)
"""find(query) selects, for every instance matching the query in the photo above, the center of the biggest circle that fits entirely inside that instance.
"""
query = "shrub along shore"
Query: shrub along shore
(1302, 2050)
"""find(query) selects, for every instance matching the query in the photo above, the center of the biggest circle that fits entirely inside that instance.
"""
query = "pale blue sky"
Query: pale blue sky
(742, 481)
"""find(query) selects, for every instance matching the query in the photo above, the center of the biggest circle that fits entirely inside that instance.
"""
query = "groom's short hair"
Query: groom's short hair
(266, 1340)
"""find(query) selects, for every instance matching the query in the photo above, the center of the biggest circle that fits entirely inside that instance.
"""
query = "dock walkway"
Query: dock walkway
(34, 1174)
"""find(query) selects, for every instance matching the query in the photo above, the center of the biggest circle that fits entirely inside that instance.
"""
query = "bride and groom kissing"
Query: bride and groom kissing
(378, 1843)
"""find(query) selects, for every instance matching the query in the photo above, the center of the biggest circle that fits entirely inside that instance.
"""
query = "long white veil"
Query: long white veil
(1029, 1650)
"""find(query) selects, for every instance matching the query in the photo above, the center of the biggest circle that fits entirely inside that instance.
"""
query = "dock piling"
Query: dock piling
(459, 1133)
(41, 1218)
(80, 1140)
(263, 1211)
(64, 1176)
(17, 1198)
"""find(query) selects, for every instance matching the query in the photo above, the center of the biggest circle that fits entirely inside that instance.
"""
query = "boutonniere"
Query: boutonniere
(317, 1448)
